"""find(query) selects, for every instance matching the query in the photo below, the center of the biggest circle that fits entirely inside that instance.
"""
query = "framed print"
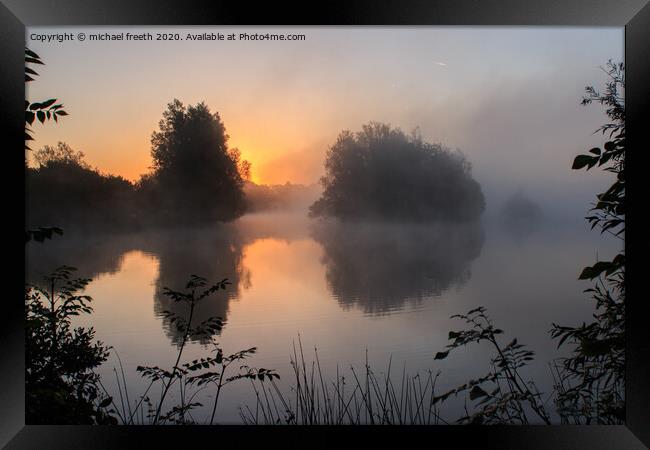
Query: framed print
(349, 219)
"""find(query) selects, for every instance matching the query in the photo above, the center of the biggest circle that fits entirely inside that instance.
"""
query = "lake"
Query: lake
(384, 290)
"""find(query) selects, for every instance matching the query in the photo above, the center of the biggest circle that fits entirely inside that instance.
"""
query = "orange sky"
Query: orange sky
(485, 90)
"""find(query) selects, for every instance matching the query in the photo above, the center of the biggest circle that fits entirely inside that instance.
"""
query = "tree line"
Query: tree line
(195, 178)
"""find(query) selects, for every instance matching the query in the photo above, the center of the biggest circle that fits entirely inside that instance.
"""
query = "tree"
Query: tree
(195, 177)
(61, 154)
(381, 173)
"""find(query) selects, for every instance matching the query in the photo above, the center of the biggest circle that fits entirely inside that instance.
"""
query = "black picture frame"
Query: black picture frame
(634, 15)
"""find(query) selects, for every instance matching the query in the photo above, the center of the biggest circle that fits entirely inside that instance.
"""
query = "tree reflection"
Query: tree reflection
(214, 253)
(91, 255)
(379, 267)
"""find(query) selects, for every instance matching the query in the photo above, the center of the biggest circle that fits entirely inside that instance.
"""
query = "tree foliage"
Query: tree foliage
(62, 154)
(195, 175)
(41, 111)
(591, 380)
(381, 173)
(65, 190)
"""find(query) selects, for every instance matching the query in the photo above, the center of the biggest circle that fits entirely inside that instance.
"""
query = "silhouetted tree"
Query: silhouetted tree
(62, 153)
(196, 177)
(65, 190)
(380, 172)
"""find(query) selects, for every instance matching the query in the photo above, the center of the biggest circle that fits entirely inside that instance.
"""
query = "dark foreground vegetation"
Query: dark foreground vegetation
(62, 387)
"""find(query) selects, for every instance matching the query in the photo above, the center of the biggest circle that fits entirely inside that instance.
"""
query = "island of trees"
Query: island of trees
(382, 173)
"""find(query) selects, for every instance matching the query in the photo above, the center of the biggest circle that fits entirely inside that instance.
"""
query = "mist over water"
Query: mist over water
(343, 288)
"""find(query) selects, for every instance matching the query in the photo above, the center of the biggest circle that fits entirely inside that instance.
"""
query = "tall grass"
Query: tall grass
(366, 398)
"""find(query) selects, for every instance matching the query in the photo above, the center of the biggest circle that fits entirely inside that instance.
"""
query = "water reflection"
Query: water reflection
(91, 255)
(379, 267)
(376, 267)
(214, 254)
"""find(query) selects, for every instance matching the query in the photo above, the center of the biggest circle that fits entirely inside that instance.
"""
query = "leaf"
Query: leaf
(595, 151)
(441, 355)
(589, 273)
(41, 116)
(29, 117)
(584, 160)
(609, 146)
(47, 103)
(107, 401)
(477, 392)
(28, 52)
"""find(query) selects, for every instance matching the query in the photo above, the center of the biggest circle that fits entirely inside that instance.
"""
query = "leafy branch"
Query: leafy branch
(41, 111)
(510, 398)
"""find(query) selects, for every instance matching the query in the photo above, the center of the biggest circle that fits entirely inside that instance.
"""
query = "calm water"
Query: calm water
(385, 288)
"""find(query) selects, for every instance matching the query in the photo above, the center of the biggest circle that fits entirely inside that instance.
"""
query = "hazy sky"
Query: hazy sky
(509, 98)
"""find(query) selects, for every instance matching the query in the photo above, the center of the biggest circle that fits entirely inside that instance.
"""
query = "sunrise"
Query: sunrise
(227, 212)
